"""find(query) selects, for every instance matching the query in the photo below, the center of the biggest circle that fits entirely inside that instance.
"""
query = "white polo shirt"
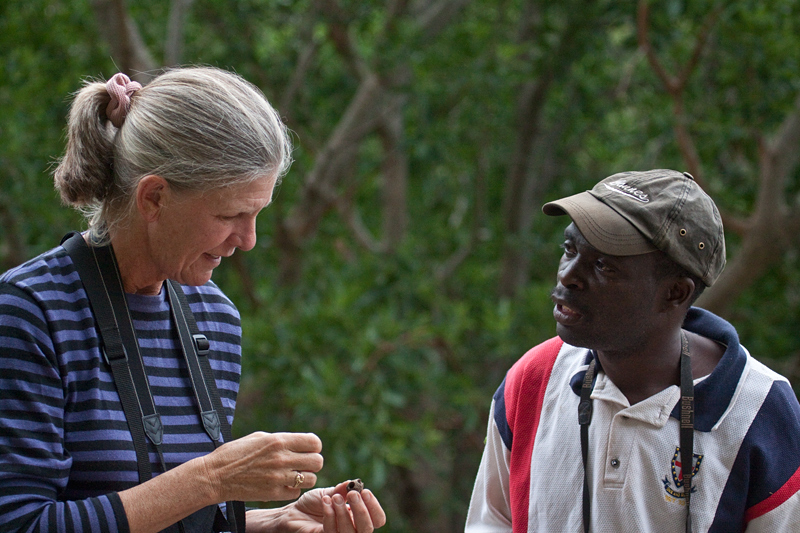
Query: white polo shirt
(746, 449)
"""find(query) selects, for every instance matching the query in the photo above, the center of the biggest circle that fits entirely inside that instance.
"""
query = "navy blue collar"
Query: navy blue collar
(713, 395)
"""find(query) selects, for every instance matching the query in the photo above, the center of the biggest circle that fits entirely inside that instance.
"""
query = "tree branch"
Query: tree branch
(783, 145)
(521, 187)
(699, 45)
(434, 16)
(122, 35)
(675, 87)
(642, 29)
(361, 233)
(340, 37)
(318, 193)
(478, 224)
(304, 62)
(774, 225)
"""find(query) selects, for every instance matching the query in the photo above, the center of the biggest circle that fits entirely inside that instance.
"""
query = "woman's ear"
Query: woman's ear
(152, 193)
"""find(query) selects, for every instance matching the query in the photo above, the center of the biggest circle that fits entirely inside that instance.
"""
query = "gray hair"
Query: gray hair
(199, 128)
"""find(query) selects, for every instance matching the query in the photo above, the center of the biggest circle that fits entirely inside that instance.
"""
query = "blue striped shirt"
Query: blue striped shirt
(65, 447)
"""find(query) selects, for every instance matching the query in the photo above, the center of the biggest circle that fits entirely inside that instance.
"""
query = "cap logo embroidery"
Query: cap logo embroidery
(622, 187)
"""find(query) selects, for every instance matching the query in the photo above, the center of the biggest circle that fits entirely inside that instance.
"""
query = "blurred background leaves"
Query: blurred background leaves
(404, 264)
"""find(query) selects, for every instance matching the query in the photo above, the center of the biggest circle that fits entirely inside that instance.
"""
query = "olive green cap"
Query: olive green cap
(632, 213)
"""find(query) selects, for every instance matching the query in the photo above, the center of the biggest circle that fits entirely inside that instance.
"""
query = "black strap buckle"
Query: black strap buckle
(122, 355)
(201, 344)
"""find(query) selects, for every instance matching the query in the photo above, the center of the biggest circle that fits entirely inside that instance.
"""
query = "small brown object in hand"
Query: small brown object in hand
(356, 485)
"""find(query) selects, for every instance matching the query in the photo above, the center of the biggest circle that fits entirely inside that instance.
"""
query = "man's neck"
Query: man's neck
(641, 373)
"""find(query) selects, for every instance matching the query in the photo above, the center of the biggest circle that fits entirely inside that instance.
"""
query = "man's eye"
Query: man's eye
(601, 266)
(568, 248)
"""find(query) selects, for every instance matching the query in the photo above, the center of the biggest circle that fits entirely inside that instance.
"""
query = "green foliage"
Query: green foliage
(392, 365)
(39, 69)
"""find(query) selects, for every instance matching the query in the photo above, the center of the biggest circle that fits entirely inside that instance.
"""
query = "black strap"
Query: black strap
(584, 419)
(686, 431)
(687, 426)
(195, 350)
(87, 262)
(189, 344)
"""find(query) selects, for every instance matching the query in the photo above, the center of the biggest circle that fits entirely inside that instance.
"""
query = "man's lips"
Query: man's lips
(564, 313)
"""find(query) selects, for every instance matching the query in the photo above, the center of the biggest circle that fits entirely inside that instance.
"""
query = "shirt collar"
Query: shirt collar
(713, 395)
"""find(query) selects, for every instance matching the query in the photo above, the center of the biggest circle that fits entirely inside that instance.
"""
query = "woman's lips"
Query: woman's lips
(216, 259)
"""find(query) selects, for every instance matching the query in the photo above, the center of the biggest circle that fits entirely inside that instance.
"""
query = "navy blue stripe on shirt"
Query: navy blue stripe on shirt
(500, 415)
(756, 474)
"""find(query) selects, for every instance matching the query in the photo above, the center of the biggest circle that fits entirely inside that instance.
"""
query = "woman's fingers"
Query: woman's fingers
(328, 515)
(267, 466)
(344, 522)
(376, 512)
(301, 442)
(361, 516)
(301, 480)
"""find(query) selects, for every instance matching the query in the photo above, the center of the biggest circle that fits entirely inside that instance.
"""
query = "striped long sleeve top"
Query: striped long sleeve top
(65, 447)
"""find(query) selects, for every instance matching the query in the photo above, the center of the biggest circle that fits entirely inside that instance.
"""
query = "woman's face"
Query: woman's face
(194, 231)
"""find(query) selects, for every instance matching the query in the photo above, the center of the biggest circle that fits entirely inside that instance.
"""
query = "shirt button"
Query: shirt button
(615, 462)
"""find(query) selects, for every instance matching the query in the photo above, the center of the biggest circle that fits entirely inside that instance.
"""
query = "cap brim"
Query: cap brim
(604, 228)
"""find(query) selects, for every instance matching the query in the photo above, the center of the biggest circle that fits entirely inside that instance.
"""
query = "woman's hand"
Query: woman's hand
(330, 510)
(264, 467)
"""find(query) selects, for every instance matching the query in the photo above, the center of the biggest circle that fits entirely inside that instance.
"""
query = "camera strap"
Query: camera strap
(195, 347)
(118, 346)
(686, 431)
(99, 274)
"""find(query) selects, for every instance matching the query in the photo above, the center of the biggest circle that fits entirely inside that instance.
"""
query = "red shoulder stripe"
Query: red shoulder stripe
(789, 489)
(526, 384)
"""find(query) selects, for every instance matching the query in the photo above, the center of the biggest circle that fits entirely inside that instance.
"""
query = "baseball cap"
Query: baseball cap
(632, 213)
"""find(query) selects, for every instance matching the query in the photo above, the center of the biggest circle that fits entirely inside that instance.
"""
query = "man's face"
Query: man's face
(605, 302)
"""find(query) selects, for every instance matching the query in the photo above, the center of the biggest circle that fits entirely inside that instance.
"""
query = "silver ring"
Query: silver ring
(298, 480)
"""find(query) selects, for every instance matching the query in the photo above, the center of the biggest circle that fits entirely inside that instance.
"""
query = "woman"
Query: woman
(172, 177)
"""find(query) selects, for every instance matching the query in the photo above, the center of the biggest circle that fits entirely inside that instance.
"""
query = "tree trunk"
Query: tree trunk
(173, 50)
(395, 181)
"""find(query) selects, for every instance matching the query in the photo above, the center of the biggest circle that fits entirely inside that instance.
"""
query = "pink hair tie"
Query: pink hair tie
(120, 88)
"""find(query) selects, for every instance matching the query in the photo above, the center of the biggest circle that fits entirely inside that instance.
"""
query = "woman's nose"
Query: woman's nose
(244, 237)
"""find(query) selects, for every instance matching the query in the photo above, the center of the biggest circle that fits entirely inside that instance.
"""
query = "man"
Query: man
(640, 248)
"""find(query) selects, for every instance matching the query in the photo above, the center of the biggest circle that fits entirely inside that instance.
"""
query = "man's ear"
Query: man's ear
(152, 194)
(679, 293)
